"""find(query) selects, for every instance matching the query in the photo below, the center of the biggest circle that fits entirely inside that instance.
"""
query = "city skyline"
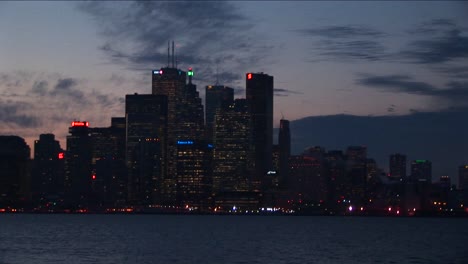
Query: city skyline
(333, 62)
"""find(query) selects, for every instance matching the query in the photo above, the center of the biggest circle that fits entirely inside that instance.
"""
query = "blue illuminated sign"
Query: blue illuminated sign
(184, 142)
(210, 145)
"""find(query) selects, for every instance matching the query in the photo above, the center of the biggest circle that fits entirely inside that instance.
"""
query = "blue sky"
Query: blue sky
(61, 61)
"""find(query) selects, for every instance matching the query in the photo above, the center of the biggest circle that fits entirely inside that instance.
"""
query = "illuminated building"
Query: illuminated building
(48, 171)
(15, 171)
(421, 171)
(284, 142)
(463, 177)
(193, 174)
(185, 119)
(232, 155)
(259, 95)
(146, 139)
(216, 97)
(397, 166)
(78, 172)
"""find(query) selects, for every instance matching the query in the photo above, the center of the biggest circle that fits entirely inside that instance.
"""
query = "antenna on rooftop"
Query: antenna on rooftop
(172, 54)
(217, 76)
(168, 54)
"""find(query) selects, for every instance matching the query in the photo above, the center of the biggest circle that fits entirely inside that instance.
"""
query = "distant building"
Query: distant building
(48, 173)
(259, 95)
(463, 177)
(397, 166)
(284, 142)
(15, 172)
(307, 181)
(421, 171)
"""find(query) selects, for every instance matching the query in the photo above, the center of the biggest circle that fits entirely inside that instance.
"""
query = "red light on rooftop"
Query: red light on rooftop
(93, 177)
(60, 155)
(79, 124)
(249, 76)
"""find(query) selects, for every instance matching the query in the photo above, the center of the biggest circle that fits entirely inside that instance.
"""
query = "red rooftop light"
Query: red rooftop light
(79, 124)
(249, 76)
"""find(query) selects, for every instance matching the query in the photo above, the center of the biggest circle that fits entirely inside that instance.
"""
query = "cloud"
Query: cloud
(439, 41)
(40, 87)
(207, 34)
(284, 92)
(454, 92)
(11, 114)
(345, 43)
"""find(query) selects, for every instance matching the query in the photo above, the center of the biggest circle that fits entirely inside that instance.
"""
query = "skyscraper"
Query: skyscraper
(216, 97)
(259, 95)
(48, 171)
(284, 142)
(146, 138)
(397, 166)
(78, 165)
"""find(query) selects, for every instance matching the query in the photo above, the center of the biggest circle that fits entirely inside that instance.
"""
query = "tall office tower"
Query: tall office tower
(147, 127)
(15, 172)
(192, 119)
(109, 188)
(356, 167)
(284, 142)
(233, 149)
(193, 174)
(78, 172)
(397, 166)
(335, 169)
(421, 171)
(48, 172)
(259, 95)
(216, 97)
(463, 177)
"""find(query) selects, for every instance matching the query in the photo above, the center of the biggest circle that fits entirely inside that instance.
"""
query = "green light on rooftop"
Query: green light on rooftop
(421, 161)
(190, 73)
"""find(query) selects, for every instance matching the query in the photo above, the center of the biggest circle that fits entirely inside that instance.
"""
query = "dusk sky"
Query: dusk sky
(65, 61)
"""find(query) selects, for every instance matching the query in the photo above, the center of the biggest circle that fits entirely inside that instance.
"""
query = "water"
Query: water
(230, 239)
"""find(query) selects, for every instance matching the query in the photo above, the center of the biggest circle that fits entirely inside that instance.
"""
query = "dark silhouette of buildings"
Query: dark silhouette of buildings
(421, 171)
(48, 172)
(259, 95)
(397, 166)
(217, 97)
(78, 172)
(146, 149)
(284, 143)
(15, 168)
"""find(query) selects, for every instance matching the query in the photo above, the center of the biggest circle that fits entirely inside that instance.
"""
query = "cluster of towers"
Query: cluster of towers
(163, 154)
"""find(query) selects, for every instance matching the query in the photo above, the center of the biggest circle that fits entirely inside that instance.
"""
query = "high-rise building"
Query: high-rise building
(397, 166)
(146, 145)
(463, 177)
(232, 155)
(421, 171)
(78, 173)
(284, 142)
(259, 95)
(109, 180)
(193, 174)
(15, 172)
(48, 173)
(356, 169)
(216, 97)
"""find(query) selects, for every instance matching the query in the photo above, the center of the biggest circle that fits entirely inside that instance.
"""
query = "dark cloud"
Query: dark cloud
(391, 109)
(439, 41)
(67, 87)
(421, 135)
(344, 43)
(342, 32)
(456, 92)
(453, 71)
(40, 87)
(284, 92)
(14, 79)
(11, 113)
(207, 34)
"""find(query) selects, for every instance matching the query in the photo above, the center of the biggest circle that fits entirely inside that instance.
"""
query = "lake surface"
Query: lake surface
(29, 238)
